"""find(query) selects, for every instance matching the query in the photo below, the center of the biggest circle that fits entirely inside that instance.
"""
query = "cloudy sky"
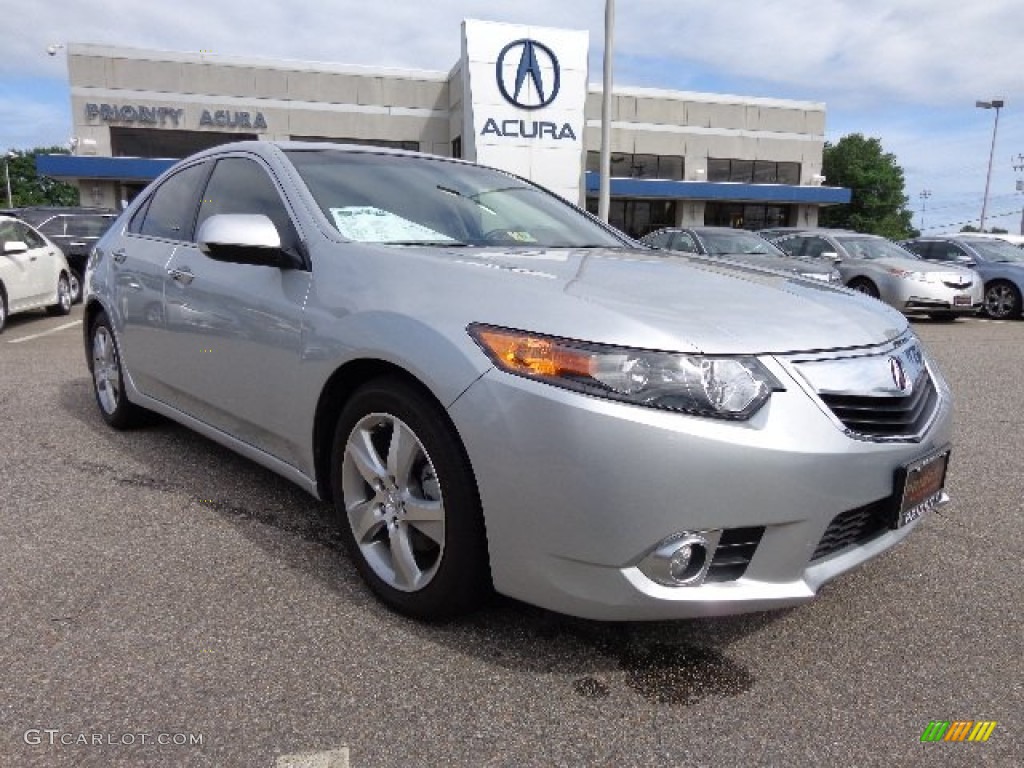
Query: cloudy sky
(905, 71)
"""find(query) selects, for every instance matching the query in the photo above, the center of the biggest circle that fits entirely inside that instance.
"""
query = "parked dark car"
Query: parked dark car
(1000, 264)
(74, 230)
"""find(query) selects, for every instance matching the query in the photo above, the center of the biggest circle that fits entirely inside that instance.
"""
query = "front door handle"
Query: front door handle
(120, 255)
(183, 276)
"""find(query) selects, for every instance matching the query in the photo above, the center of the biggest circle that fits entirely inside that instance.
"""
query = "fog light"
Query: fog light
(681, 560)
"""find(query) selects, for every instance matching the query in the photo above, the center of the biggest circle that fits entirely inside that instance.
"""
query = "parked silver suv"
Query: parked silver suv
(495, 388)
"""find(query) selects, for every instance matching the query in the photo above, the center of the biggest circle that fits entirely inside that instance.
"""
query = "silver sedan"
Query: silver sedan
(496, 390)
(880, 268)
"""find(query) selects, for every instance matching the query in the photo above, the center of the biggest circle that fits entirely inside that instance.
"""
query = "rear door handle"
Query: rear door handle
(183, 276)
(120, 255)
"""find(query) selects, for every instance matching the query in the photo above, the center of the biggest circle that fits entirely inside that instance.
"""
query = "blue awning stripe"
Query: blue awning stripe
(719, 190)
(88, 167)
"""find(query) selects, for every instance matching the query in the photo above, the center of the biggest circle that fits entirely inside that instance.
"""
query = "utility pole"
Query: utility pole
(924, 194)
(1019, 168)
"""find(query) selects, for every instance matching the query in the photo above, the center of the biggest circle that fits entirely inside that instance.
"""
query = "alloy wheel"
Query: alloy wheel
(393, 501)
(106, 371)
(1001, 301)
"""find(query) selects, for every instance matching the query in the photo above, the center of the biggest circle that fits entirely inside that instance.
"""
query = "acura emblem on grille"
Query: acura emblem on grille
(899, 375)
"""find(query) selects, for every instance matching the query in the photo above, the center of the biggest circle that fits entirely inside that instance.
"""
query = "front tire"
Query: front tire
(3, 309)
(64, 297)
(108, 378)
(865, 286)
(1002, 300)
(407, 502)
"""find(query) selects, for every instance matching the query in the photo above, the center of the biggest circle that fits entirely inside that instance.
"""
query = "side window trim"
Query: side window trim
(282, 198)
(188, 230)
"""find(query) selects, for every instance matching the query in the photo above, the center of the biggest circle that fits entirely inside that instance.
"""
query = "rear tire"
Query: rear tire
(108, 378)
(407, 502)
(3, 309)
(64, 298)
(76, 287)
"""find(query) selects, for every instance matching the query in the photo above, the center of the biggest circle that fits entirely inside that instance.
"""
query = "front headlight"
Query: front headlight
(824, 277)
(921, 277)
(733, 387)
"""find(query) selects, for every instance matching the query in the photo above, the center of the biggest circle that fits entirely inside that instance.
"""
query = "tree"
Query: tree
(878, 204)
(28, 188)
(993, 230)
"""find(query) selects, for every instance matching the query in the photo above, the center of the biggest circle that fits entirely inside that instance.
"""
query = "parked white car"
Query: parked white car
(33, 272)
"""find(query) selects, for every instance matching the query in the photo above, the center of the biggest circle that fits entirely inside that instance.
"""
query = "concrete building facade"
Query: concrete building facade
(518, 98)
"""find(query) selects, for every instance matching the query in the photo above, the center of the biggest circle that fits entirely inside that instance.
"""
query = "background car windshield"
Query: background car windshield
(719, 243)
(400, 199)
(998, 250)
(874, 248)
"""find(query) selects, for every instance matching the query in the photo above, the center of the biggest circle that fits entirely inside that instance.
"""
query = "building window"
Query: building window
(413, 146)
(627, 166)
(747, 215)
(149, 142)
(637, 217)
(753, 171)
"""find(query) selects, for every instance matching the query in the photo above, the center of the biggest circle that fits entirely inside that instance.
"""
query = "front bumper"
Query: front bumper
(577, 491)
(914, 296)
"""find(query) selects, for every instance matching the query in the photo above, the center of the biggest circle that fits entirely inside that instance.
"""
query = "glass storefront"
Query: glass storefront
(629, 166)
(747, 215)
(753, 171)
(145, 142)
(637, 217)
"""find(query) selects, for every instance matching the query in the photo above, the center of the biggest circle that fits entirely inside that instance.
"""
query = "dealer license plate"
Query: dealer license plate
(920, 486)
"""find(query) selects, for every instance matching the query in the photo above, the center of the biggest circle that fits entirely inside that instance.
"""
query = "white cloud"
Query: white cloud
(907, 71)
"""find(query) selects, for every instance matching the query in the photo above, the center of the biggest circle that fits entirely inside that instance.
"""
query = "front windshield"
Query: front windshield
(997, 250)
(874, 248)
(738, 241)
(408, 200)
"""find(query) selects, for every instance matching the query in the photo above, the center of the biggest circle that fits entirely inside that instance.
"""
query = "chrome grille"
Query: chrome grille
(733, 553)
(885, 416)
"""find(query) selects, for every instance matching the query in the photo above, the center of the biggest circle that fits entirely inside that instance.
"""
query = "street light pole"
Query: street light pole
(604, 193)
(995, 104)
(924, 195)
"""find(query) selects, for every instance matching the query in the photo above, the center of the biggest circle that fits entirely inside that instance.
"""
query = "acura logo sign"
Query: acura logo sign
(899, 375)
(537, 75)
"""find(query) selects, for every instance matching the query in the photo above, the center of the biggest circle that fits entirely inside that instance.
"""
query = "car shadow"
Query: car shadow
(676, 663)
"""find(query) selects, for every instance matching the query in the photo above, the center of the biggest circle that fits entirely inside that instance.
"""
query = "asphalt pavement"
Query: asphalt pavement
(167, 603)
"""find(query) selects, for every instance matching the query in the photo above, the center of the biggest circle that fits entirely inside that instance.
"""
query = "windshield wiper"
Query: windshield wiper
(427, 243)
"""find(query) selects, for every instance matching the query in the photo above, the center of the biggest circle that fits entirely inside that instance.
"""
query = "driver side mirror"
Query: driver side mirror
(244, 238)
(832, 256)
(12, 247)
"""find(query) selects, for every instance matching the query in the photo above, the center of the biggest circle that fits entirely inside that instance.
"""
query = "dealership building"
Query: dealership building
(518, 98)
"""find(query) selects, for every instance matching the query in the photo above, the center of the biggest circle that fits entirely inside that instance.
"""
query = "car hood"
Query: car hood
(915, 265)
(636, 298)
(768, 261)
